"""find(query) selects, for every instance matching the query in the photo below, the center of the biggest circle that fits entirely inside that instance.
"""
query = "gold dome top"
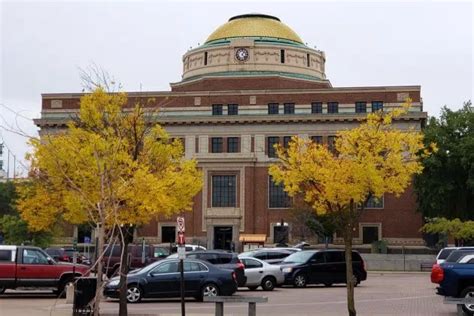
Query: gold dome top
(254, 25)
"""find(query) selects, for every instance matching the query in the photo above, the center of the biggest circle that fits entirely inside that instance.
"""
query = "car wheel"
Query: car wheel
(209, 290)
(252, 288)
(300, 280)
(268, 283)
(134, 294)
(468, 293)
(327, 284)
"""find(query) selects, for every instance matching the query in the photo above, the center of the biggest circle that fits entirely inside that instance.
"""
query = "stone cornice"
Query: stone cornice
(247, 92)
(251, 119)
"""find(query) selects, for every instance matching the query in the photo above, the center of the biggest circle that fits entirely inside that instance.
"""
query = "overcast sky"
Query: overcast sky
(43, 44)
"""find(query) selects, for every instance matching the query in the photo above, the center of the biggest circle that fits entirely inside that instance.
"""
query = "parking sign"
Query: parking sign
(180, 222)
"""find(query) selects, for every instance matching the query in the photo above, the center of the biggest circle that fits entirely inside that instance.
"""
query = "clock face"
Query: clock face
(241, 54)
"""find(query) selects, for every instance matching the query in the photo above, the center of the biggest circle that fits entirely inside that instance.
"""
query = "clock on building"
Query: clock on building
(242, 54)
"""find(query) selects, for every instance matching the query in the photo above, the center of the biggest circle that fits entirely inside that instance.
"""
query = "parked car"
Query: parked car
(445, 252)
(326, 266)
(456, 279)
(260, 273)
(25, 266)
(140, 256)
(221, 259)
(188, 247)
(67, 255)
(161, 279)
(269, 255)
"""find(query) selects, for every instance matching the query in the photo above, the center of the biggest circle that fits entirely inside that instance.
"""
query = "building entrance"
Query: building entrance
(223, 237)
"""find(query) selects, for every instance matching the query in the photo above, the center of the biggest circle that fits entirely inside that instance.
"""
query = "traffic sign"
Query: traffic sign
(181, 239)
(180, 221)
(181, 253)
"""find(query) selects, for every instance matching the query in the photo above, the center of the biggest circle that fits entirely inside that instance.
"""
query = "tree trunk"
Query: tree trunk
(99, 265)
(350, 279)
(125, 233)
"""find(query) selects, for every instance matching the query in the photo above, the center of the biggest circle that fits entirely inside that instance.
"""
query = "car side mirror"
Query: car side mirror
(50, 261)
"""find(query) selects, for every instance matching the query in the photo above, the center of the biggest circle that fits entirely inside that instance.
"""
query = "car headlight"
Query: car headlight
(287, 270)
(114, 283)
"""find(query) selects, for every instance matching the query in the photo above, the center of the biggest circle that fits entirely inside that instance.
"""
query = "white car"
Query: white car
(260, 273)
(445, 252)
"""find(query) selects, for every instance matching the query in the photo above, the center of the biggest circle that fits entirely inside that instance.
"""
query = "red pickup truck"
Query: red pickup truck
(25, 266)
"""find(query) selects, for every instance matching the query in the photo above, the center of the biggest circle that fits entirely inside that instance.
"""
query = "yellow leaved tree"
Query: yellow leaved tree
(368, 161)
(112, 166)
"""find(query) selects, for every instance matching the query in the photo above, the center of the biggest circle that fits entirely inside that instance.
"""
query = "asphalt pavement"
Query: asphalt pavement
(381, 294)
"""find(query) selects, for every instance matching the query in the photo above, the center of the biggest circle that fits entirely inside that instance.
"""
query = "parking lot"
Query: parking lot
(381, 294)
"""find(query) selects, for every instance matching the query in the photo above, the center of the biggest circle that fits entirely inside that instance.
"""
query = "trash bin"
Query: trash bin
(83, 295)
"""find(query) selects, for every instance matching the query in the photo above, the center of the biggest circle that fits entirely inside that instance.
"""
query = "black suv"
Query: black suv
(326, 267)
(221, 259)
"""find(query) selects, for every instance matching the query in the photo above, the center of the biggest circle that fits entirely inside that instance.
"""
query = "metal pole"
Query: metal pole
(181, 271)
(8, 163)
(403, 250)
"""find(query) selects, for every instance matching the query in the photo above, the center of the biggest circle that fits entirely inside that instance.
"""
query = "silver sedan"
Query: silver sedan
(260, 273)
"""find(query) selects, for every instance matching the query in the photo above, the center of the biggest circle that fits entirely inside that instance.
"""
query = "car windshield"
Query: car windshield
(299, 257)
(455, 255)
(445, 253)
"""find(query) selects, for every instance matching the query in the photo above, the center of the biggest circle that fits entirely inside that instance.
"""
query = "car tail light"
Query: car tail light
(240, 265)
(363, 265)
(437, 274)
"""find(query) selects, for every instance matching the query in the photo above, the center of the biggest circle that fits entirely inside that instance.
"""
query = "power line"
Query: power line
(15, 158)
(16, 112)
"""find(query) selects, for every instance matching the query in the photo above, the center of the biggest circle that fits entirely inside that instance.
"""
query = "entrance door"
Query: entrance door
(370, 234)
(222, 237)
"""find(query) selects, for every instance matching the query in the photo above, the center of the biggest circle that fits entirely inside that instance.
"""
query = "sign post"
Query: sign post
(181, 256)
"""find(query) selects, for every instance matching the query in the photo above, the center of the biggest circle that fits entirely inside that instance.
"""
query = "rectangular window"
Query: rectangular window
(286, 141)
(377, 106)
(361, 107)
(224, 191)
(168, 233)
(217, 109)
(307, 60)
(217, 144)
(273, 108)
(317, 139)
(332, 143)
(316, 107)
(277, 197)
(374, 202)
(6, 256)
(271, 141)
(282, 56)
(289, 108)
(333, 107)
(232, 109)
(205, 58)
(233, 145)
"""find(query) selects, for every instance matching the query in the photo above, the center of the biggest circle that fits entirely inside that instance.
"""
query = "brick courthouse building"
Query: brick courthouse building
(252, 84)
